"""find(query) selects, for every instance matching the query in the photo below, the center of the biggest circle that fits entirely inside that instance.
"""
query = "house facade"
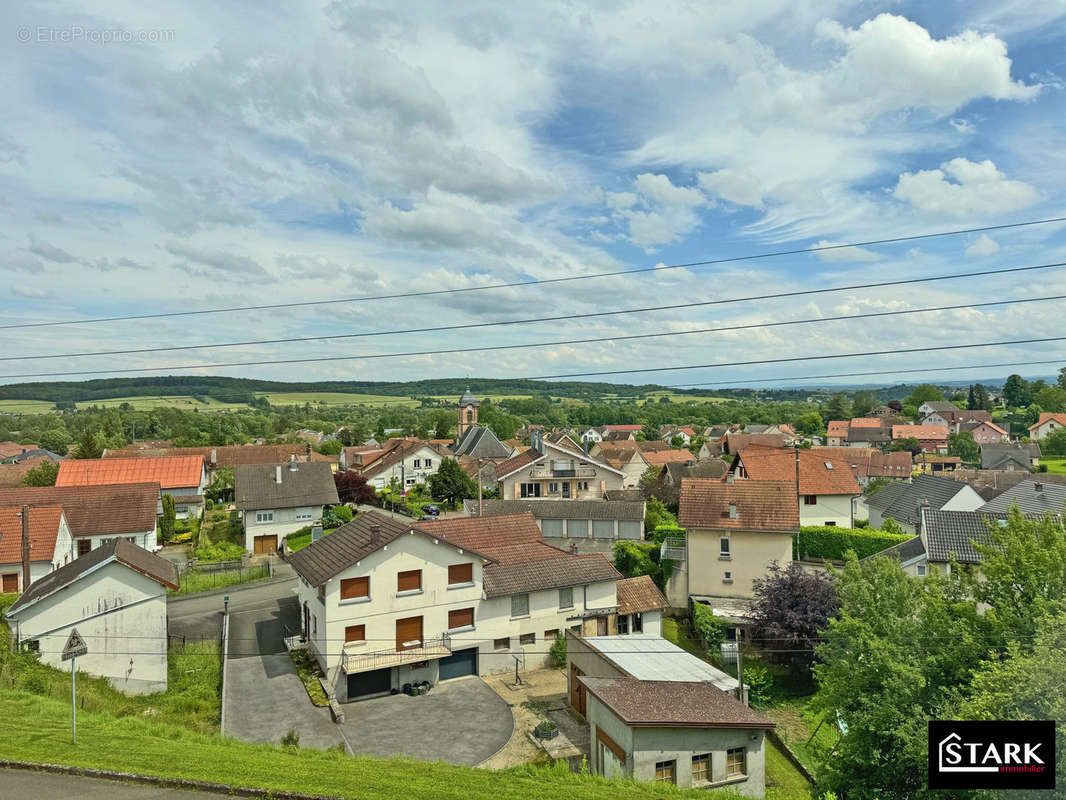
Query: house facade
(577, 523)
(629, 460)
(385, 603)
(1047, 423)
(116, 597)
(551, 471)
(278, 499)
(51, 545)
(406, 464)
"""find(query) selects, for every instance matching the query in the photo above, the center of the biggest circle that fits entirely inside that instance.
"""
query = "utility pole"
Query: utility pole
(740, 670)
(480, 499)
(25, 547)
(799, 505)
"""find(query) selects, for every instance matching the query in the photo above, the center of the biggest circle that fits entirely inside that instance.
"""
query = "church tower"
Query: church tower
(468, 405)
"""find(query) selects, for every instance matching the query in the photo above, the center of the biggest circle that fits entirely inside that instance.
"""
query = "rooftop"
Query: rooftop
(560, 509)
(1032, 496)
(637, 595)
(647, 657)
(170, 473)
(95, 510)
(673, 704)
(743, 504)
(255, 486)
(818, 474)
(44, 530)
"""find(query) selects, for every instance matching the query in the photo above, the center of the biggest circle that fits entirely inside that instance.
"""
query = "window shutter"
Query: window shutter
(353, 588)
(409, 581)
(460, 573)
(461, 618)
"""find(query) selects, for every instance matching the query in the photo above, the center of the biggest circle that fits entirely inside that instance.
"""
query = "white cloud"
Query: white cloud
(741, 188)
(984, 245)
(963, 126)
(49, 252)
(961, 188)
(658, 211)
(844, 253)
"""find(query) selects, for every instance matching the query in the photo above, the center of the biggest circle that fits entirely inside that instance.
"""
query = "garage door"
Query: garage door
(266, 544)
(377, 681)
(458, 664)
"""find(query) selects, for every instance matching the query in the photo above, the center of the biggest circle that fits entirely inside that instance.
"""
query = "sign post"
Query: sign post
(74, 647)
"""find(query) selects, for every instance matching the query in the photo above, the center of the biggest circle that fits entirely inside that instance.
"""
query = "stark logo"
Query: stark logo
(991, 755)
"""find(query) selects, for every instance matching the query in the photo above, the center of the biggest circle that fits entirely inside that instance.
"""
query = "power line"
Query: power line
(865, 315)
(794, 358)
(542, 281)
(868, 374)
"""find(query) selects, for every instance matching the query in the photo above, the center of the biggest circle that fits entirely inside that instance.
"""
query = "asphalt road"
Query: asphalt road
(17, 784)
(201, 615)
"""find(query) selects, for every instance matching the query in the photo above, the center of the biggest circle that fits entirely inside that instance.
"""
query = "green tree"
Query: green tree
(923, 393)
(329, 448)
(221, 486)
(1054, 444)
(809, 424)
(44, 474)
(862, 403)
(905, 443)
(962, 444)
(1062, 378)
(1051, 398)
(90, 444)
(677, 442)
(57, 440)
(1016, 391)
(450, 484)
(837, 408)
(656, 514)
(166, 521)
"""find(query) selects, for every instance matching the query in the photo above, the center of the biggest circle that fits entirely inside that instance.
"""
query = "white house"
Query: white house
(591, 436)
(630, 460)
(407, 463)
(1047, 423)
(97, 514)
(51, 545)
(278, 499)
(384, 602)
(116, 597)
(553, 471)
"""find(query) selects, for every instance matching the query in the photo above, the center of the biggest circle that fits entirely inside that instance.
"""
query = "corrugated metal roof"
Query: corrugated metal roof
(653, 658)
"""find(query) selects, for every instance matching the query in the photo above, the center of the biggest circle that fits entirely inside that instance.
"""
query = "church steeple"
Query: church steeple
(468, 406)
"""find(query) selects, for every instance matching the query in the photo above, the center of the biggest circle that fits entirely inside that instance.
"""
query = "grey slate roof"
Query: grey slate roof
(561, 509)
(632, 495)
(1032, 496)
(886, 495)
(952, 533)
(930, 489)
(940, 405)
(904, 551)
(994, 455)
(468, 399)
(354, 541)
(123, 551)
(715, 468)
(480, 442)
(255, 486)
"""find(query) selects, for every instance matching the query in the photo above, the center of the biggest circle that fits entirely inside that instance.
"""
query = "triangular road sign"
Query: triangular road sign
(75, 646)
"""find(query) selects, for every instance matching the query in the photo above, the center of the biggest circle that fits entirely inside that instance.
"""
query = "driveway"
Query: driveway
(46, 786)
(265, 697)
(461, 721)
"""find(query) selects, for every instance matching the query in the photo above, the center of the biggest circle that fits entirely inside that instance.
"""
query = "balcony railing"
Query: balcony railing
(356, 659)
(674, 549)
(577, 472)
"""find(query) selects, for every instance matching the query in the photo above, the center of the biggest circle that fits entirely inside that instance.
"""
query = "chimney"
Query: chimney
(25, 547)
(1038, 487)
(375, 533)
(729, 477)
(733, 511)
(586, 443)
(277, 474)
(292, 464)
(922, 506)
(214, 455)
(316, 532)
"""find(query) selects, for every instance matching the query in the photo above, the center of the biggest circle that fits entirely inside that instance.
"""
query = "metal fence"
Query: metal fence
(203, 577)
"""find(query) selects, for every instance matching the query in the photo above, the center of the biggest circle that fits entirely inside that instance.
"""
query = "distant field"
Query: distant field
(146, 403)
(493, 397)
(653, 397)
(25, 406)
(335, 399)
(1055, 466)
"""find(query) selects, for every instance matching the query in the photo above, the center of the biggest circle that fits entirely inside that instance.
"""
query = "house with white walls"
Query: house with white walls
(278, 499)
(50, 545)
(556, 472)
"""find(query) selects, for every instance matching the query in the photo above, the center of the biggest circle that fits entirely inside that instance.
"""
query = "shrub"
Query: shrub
(760, 684)
(220, 551)
(710, 629)
(291, 739)
(557, 653)
(832, 543)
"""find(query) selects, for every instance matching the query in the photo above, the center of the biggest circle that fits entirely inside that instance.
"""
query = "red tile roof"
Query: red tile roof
(760, 505)
(837, 427)
(869, 462)
(658, 458)
(95, 510)
(817, 474)
(169, 473)
(225, 456)
(623, 427)
(1045, 416)
(920, 431)
(8, 449)
(44, 530)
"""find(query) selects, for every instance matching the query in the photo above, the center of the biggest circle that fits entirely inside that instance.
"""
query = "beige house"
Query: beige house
(1047, 423)
(630, 460)
(556, 472)
(735, 530)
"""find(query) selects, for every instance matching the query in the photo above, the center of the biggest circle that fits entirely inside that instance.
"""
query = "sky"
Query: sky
(170, 157)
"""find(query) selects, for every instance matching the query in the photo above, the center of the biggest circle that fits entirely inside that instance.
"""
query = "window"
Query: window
(723, 547)
(519, 605)
(638, 623)
(575, 629)
(830, 523)
(552, 635)
(264, 516)
(921, 570)
(583, 486)
(418, 463)
(530, 489)
(410, 482)
(666, 771)
(314, 625)
(566, 597)
(181, 509)
(305, 513)
(461, 618)
(736, 762)
(623, 624)
(354, 633)
(409, 581)
(32, 646)
(810, 499)
(427, 463)
(553, 488)
(727, 577)
(527, 638)
(460, 573)
(502, 644)
(701, 768)
(355, 589)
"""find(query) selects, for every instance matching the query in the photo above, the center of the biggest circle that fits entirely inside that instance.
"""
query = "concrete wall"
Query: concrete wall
(830, 508)
(751, 553)
(121, 614)
(285, 522)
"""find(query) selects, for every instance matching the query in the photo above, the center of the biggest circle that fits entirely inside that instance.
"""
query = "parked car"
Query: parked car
(431, 509)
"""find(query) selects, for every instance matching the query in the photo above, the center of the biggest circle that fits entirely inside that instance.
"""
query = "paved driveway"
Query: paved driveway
(46, 786)
(265, 698)
(461, 721)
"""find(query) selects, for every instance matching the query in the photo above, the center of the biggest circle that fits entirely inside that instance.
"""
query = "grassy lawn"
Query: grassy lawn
(193, 580)
(302, 538)
(148, 402)
(336, 399)
(1055, 466)
(26, 406)
(795, 724)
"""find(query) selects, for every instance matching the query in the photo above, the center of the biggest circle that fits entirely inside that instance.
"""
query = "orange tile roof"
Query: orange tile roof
(170, 473)
(44, 530)
(220, 456)
(869, 462)
(920, 431)
(760, 505)
(837, 427)
(1045, 416)
(866, 422)
(658, 458)
(815, 474)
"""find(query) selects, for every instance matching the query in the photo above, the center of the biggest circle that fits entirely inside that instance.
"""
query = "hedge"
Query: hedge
(710, 629)
(831, 542)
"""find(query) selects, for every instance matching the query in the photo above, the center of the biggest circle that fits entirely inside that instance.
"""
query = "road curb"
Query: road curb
(156, 780)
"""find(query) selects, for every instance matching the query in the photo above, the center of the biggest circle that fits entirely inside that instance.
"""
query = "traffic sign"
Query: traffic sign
(75, 646)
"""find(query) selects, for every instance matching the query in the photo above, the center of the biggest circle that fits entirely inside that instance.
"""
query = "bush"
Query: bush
(667, 532)
(291, 739)
(557, 653)
(760, 684)
(209, 504)
(219, 551)
(633, 559)
(710, 629)
(832, 543)
(342, 513)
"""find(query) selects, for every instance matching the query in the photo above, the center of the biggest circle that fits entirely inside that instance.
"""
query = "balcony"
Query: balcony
(356, 659)
(673, 549)
(576, 472)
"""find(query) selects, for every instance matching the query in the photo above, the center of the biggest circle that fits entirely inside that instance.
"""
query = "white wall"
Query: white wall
(145, 539)
(967, 499)
(284, 523)
(829, 508)
(411, 475)
(121, 614)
